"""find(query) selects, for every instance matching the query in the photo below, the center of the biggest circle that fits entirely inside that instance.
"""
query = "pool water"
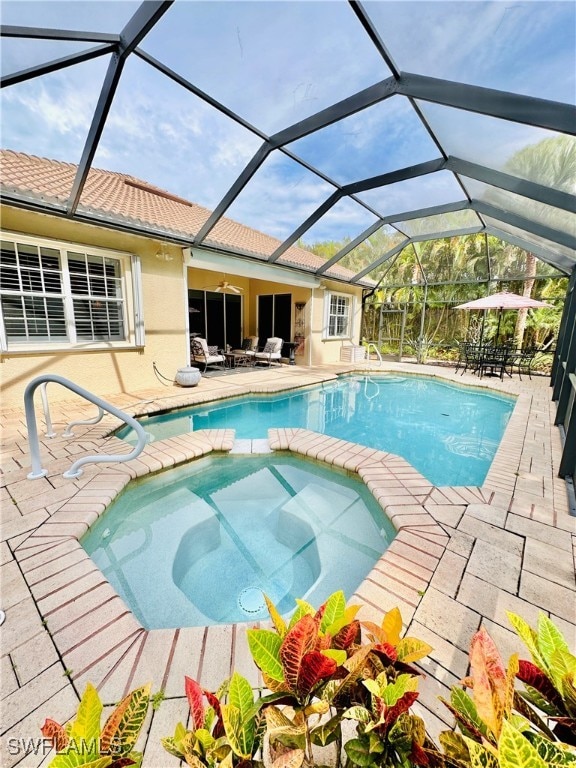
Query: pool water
(449, 433)
(200, 544)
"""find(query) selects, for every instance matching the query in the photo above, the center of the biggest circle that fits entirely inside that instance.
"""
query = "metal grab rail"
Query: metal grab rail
(94, 420)
(75, 470)
(378, 355)
(48, 419)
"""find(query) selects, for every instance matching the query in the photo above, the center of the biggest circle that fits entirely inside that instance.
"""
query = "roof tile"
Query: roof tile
(127, 199)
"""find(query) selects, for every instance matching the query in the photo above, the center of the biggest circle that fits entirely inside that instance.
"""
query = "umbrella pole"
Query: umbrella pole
(498, 328)
(482, 328)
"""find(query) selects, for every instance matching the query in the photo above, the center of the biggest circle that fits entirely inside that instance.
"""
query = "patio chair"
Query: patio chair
(250, 343)
(469, 357)
(523, 361)
(270, 353)
(495, 362)
(201, 353)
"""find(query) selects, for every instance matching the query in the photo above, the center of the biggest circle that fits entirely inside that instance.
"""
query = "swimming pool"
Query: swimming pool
(449, 433)
(200, 544)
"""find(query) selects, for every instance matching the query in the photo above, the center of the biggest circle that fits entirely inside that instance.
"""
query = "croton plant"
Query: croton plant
(330, 679)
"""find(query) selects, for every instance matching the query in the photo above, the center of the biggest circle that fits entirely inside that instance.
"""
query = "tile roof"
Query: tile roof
(124, 198)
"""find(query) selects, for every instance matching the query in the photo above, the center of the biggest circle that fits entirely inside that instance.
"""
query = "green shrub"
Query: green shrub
(323, 668)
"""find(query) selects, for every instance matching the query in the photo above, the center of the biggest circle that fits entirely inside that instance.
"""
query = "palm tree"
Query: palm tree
(552, 163)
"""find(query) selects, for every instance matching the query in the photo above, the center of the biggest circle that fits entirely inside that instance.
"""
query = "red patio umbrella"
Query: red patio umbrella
(501, 301)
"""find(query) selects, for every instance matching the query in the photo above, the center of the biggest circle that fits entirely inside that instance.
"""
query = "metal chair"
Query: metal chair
(495, 361)
(201, 353)
(523, 361)
(270, 353)
(469, 357)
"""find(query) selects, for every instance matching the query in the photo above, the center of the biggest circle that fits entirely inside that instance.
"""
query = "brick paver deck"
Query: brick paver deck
(462, 558)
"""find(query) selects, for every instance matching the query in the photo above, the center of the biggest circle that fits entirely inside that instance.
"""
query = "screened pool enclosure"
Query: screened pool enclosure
(358, 130)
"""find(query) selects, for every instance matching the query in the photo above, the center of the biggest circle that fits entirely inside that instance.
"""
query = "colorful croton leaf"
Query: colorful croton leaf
(239, 717)
(388, 637)
(491, 682)
(277, 620)
(515, 751)
(225, 726)
(195, 696)
(303, 664)
(265, 647)
(84, 743)
(550, 677)
(337, 617)
(56, 733)
(297, 658)
(292, 758)
(481, 716)
(121, 730)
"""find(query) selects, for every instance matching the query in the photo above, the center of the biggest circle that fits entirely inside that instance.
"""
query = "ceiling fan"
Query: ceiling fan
(224, 286)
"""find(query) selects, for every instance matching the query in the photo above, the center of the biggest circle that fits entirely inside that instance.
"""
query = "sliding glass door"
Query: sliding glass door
(274, 317)
(216, 316)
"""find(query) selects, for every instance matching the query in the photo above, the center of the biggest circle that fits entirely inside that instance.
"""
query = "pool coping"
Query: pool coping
(98, 639)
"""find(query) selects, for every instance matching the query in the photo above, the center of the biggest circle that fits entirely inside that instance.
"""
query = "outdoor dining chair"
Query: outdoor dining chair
(524, 360)
(495, 361)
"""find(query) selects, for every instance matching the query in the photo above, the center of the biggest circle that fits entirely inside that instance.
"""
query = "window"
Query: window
(61, 294)
(96, 289)
(339, 316)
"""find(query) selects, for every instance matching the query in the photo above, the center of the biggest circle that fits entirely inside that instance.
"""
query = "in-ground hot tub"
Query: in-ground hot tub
(201, 544)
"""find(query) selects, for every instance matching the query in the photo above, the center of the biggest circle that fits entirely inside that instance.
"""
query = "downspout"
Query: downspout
(310, 327)
(187, 314)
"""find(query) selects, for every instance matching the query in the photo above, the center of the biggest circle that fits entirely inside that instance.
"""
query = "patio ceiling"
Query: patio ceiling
(309, 121)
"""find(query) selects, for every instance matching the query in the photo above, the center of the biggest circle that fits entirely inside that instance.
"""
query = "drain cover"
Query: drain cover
(251, 600)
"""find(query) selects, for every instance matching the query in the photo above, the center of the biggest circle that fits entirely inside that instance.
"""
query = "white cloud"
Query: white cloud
(502, 44)
(50, 116)
(276, 63)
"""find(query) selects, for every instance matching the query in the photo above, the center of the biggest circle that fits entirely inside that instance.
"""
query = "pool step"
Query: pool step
(260, 445)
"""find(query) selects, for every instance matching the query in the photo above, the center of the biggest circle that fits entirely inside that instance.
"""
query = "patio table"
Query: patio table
(237, 360)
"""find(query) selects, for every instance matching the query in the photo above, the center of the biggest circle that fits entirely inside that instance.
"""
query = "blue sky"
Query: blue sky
(275, 63)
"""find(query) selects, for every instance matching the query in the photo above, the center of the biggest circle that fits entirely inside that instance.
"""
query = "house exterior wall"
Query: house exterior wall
(105, 371)
(327, 350)
(164, 299)
(267, 288)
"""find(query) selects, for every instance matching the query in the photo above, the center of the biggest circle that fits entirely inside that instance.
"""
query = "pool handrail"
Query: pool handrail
(370, 344)
(103, 406)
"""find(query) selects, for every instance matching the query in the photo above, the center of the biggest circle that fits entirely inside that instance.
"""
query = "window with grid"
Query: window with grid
(338, 321)
(96, 289)
(56, 295)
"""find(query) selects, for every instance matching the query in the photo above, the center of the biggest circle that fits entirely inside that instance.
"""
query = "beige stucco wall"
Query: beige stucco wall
(326, 351)
(106, 371)
(164, 293)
